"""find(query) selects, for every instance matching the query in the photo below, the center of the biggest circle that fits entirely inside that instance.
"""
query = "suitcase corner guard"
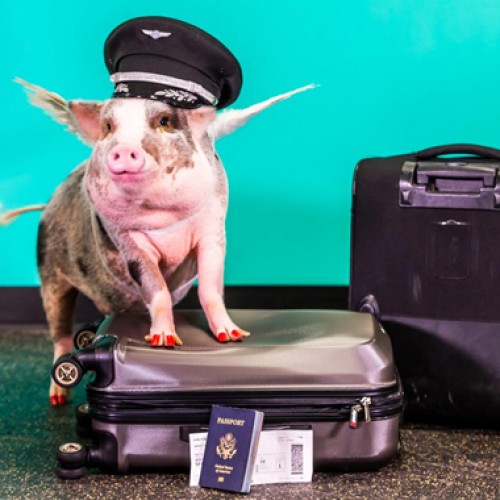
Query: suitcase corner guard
(69, 369)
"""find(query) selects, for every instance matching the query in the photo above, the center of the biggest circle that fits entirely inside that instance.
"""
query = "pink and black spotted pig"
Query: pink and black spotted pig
(137, 222)
(144, 216)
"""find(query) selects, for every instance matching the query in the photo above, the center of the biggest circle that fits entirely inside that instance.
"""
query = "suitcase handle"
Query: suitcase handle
(457, 173)
(449, 149)
(455, 185)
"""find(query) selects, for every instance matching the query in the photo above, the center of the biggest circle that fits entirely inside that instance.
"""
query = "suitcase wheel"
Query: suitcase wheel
(67, 371)
(86, 334)
(83, 421)
(77, 473)
(72, 454)
(72, 458)
(83, 338)
(82, 413)
(370, 305)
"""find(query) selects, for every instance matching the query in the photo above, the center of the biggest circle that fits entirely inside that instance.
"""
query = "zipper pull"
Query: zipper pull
(366, 402)
(353, 420)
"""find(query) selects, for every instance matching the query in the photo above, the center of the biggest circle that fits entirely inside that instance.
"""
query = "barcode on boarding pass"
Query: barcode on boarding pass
(297, 459)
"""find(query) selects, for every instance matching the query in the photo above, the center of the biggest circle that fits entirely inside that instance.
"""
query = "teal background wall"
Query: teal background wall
(395, 76)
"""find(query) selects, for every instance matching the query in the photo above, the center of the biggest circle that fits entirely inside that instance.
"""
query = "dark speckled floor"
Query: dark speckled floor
(434, 463)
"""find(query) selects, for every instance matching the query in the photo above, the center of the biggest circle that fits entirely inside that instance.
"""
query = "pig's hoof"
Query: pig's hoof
(58, 400)
(156, 340)
(232, 335)
(163, 339)
(172, 340)
(238, 334)
(223, 337)
(58, 396)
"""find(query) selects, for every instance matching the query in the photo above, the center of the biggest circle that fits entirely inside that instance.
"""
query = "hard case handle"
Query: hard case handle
(458, 172)
(459, 183)
(449, 149)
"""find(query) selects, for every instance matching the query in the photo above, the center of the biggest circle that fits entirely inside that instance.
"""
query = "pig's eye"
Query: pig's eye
(164, 124)
(107, 127)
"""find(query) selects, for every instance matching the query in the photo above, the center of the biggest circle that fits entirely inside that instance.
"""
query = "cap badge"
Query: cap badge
(155, 34)
(122, 87)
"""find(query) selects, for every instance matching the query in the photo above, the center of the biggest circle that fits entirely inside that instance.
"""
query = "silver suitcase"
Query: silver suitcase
(332, 371)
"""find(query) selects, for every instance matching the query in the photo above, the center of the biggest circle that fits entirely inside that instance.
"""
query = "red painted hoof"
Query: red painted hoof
(170, 341)
(54, 400)
(222, 337)
(61, 400)
(236, 335)
(155, 340)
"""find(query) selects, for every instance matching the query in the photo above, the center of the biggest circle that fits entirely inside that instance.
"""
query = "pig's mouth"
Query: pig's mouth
(127, 177)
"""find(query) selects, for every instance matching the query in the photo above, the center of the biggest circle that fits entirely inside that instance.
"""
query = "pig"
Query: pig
(135, 224)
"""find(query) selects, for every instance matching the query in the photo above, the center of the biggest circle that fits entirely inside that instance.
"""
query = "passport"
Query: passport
(232, 441)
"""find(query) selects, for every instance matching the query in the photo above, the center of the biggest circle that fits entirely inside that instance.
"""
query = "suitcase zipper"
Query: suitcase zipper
(363, 405)
(277, 408)
(353, 420)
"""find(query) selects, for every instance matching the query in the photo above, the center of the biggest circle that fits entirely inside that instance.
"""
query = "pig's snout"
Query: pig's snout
(125, 159)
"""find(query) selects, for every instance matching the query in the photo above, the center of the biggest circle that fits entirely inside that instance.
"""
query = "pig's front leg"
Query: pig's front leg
(211, 252)
(143, 265)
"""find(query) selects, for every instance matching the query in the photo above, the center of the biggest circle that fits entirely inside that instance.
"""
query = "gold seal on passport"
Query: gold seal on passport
(226, 448)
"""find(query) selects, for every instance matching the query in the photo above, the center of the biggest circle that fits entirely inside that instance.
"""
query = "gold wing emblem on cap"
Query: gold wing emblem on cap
(155, 34)
(227, 446)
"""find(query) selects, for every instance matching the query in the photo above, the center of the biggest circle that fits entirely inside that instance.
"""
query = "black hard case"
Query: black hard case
(301, 368)
(425, 260)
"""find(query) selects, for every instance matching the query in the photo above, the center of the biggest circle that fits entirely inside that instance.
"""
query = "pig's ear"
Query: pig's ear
(80, 117)
(199, 119)
(87, 117)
